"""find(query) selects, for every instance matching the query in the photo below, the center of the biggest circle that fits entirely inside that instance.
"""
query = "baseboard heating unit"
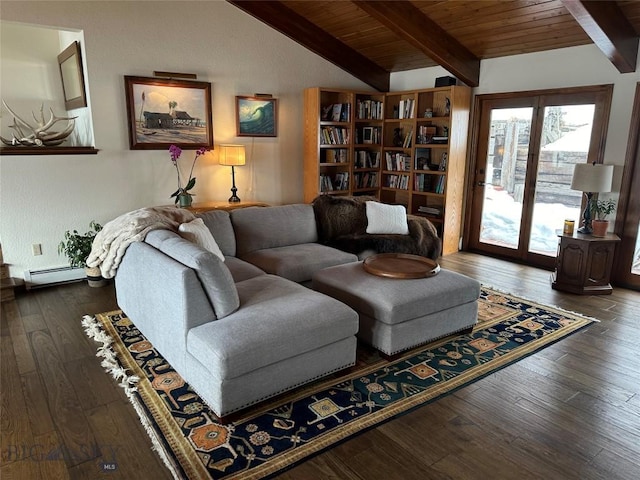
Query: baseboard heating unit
(52, 276)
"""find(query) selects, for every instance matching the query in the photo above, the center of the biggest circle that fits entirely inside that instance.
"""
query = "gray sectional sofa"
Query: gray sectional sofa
(245, 329)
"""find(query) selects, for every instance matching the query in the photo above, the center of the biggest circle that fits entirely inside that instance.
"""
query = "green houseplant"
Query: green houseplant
(601, 209)
(77, 247)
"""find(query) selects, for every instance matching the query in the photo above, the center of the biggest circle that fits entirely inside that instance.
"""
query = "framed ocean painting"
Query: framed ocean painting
(164, 112)
(256, 116)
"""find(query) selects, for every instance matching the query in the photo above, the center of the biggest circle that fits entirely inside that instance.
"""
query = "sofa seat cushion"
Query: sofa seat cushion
(277, 319)
(215, 277)
(241, 270)
(298, 262)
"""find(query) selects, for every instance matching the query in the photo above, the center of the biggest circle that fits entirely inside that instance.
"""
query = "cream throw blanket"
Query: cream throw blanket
(112, 241)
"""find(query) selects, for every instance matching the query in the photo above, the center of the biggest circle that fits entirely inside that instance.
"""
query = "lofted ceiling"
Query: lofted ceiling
(371, 39)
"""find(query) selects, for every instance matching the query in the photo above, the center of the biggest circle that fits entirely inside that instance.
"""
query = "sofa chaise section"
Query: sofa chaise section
(234, 343)
(283, 335)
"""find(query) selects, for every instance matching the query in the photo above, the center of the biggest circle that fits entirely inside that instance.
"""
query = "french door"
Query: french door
(526, 147)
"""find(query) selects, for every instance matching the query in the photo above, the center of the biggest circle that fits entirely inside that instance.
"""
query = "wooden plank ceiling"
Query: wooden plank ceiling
(370, 39)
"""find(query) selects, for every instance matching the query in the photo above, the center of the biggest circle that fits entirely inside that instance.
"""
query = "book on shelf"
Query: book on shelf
(341, 181)
(334, 136)
(406, 108)
(336, 112)
(431, 210)
(367, 159)
(399, 182)
(406, 143)
(336, 155)
(366, 180)
(440, 139)
(422, 182)
(369, 109)
(326, 185)
(398, 161)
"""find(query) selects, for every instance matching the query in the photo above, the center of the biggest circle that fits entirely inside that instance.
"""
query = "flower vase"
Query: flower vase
(185, 200)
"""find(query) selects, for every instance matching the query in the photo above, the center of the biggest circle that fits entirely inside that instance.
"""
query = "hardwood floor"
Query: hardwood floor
(570, 411)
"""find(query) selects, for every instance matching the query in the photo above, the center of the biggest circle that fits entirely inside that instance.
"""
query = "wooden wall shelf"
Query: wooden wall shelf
(48, 151)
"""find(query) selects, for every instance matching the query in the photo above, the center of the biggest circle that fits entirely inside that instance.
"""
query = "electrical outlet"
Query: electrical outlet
(36, 249)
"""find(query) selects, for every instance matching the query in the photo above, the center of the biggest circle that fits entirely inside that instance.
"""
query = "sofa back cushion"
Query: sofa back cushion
(213, 274)
(219, 224)
(257, 228)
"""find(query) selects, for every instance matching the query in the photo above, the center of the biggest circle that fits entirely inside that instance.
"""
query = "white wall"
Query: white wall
(42, 196)
(566, 67)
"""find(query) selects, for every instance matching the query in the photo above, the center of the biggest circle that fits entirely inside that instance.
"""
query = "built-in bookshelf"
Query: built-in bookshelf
(368, 123)
(342, 142)
(425, 136)
(405, 148)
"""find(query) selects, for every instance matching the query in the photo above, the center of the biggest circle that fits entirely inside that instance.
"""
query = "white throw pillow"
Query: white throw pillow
(197, 232)
(388, 219)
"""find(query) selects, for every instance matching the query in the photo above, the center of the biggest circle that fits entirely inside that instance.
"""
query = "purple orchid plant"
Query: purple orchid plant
(175, 153)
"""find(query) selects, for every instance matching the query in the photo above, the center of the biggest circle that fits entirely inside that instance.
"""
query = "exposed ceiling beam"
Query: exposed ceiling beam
(298, 28)
(609, 29)
(413, 26)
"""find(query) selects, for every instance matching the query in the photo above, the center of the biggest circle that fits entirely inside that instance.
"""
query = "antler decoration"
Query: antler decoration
(39, 136)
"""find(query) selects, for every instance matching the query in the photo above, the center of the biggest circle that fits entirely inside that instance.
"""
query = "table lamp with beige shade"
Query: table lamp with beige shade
(591, 178)
(232, 156)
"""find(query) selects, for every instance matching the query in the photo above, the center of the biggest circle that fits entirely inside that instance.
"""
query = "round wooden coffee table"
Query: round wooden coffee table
(400, 265)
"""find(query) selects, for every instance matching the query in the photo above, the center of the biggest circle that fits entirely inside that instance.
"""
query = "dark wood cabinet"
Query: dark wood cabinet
(584, 263)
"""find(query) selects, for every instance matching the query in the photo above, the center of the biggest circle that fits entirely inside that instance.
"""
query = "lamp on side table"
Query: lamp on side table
(232, 156)
(591, 178)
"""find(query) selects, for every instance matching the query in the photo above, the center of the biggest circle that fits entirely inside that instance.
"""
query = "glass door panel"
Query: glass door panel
(527, 146)
(506, 168)
(564, 141)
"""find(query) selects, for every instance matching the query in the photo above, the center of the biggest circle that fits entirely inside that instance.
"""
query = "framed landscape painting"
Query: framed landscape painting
(164, 112)
(256, 116)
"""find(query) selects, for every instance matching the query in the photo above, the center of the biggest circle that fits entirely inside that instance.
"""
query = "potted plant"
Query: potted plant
(77, 248)
(600, 209)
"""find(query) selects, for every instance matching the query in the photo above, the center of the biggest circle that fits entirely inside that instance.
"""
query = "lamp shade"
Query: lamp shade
(232, 155)
(588, 177)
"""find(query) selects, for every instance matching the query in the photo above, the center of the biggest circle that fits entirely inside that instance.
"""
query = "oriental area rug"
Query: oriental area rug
(280, 433)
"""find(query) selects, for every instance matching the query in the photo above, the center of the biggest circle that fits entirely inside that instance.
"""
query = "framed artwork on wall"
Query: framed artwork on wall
(72, 75)
(256, 116)
(163, 112)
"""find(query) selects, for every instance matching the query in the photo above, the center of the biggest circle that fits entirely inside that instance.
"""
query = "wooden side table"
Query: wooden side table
(583, 264)
(202, 207)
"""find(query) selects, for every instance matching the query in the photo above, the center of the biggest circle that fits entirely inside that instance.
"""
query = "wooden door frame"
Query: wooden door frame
(481, 127)
(631, 176)
(601, 122)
